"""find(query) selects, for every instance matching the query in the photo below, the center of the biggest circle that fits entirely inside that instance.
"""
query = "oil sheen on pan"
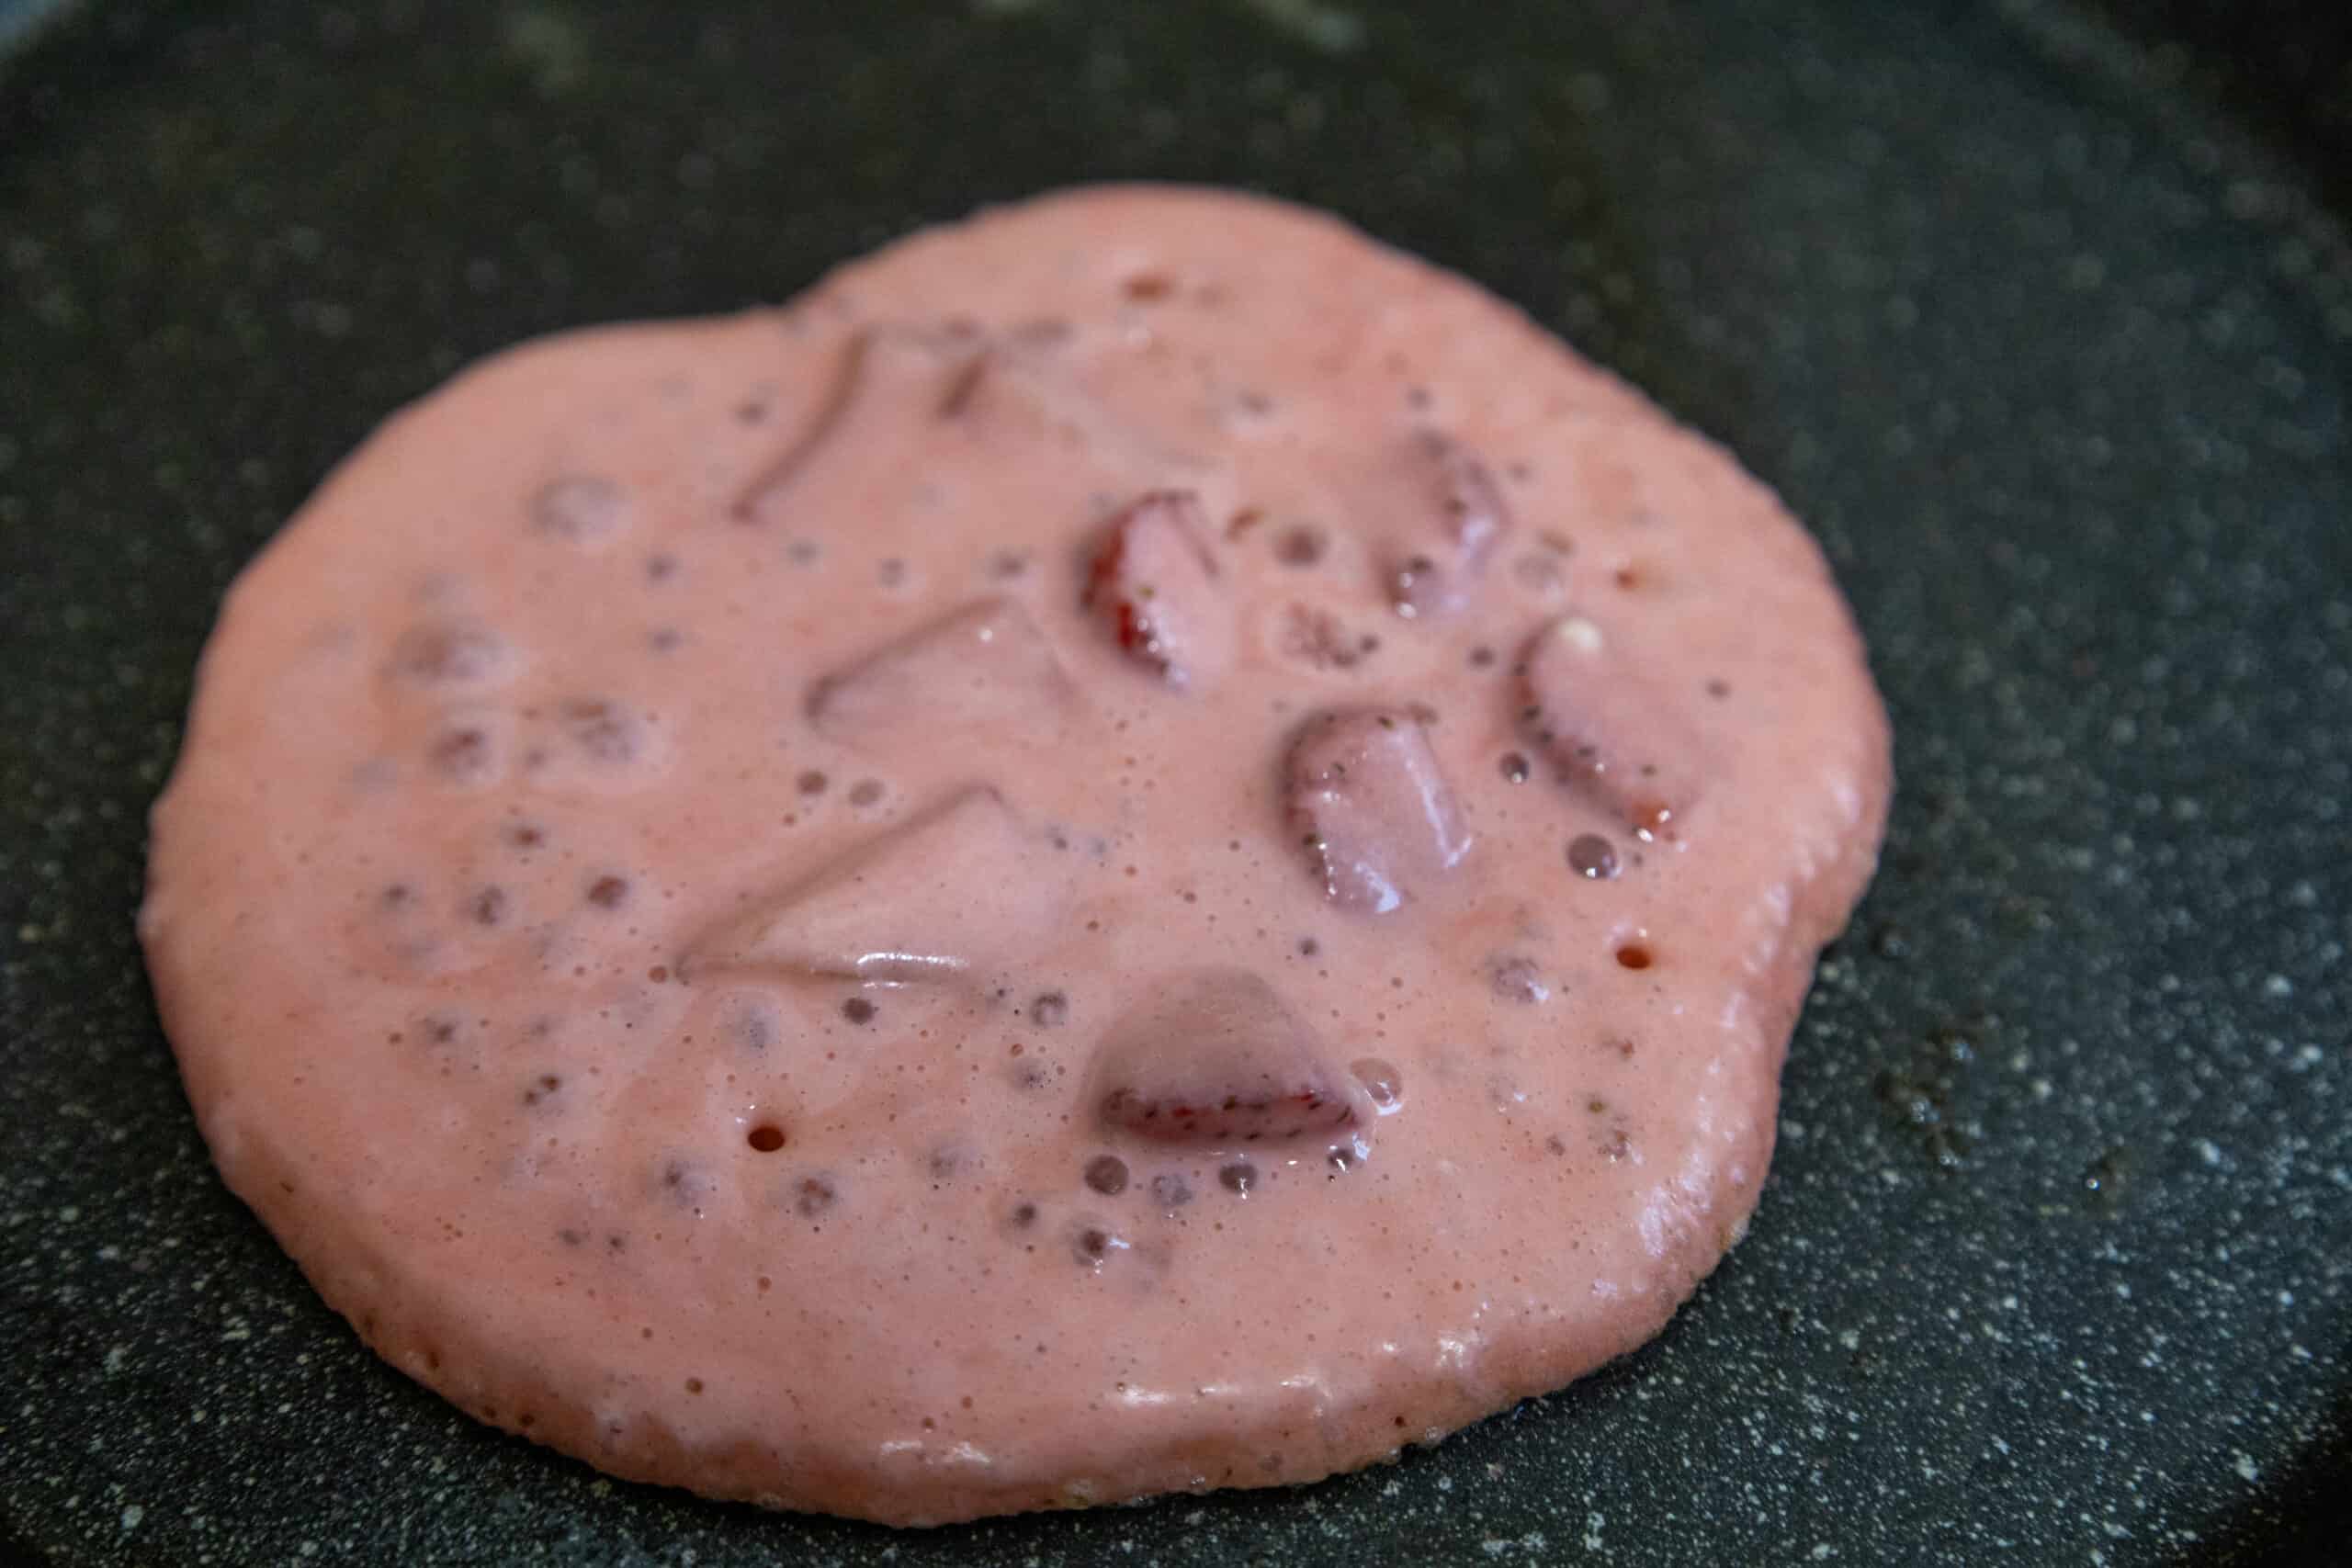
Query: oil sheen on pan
(1140, 846)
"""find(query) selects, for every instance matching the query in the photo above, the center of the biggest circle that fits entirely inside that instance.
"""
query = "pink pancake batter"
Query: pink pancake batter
(1140, 846)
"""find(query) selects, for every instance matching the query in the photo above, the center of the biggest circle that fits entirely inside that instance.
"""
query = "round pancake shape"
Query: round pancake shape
(1140, 846)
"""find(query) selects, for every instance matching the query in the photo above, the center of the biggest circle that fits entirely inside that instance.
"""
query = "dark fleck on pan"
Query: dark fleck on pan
(2044, 323)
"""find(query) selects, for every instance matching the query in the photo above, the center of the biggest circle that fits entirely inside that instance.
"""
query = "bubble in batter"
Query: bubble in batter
(581, 509)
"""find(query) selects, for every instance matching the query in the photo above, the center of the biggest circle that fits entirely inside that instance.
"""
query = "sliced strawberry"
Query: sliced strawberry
(1374, 810)
(1458, 515)
(1154, 587)
(961, 890)
(983, 667)
(1599, 715)
(1215, 1057)
(890, 372)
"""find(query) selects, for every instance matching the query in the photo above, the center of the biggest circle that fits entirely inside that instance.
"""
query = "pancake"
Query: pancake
(1140, 846)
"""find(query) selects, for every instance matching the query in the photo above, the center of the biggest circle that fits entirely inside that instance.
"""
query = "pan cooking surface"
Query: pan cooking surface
(2054, 1263)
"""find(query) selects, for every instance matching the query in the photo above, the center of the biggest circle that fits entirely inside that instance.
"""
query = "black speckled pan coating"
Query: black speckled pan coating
(2054, 1264)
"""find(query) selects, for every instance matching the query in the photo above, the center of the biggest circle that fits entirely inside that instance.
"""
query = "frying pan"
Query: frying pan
(2040, 316)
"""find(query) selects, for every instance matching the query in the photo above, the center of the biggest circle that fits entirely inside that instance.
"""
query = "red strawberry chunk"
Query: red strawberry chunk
(1155, 587)
(1216, 1058)
(1459, 515)
(1378, 818)
(1610, 733)
(983, 669)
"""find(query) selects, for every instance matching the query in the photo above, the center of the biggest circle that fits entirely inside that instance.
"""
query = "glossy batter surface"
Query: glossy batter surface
(1140, 846)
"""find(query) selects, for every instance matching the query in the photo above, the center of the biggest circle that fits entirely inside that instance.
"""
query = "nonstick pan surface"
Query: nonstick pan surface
(2044, 326)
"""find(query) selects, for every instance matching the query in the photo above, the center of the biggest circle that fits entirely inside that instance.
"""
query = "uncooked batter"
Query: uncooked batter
(1140, 846)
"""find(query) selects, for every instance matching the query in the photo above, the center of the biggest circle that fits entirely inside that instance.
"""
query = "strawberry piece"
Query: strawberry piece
(1154, 586)
(1215, 1057)
(1376, 815)
(1461, 516)
(883, 373)
(1600, 717)
(961, 890)
(983, 669)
